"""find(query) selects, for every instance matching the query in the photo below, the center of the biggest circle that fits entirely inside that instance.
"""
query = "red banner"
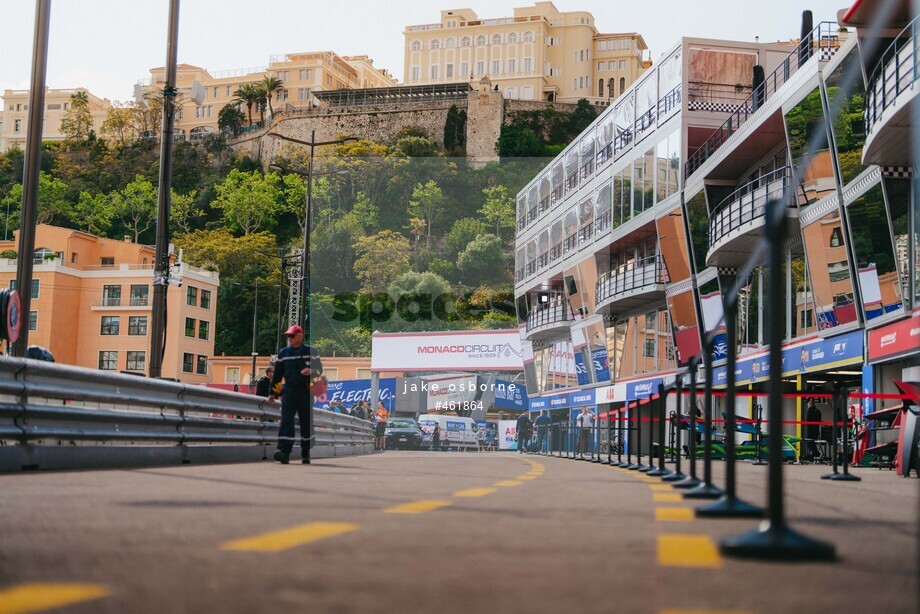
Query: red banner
(901, 337)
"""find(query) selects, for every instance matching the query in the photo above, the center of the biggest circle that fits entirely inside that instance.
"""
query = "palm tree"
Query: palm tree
(261, 99)
(271, 84)
(248, 95)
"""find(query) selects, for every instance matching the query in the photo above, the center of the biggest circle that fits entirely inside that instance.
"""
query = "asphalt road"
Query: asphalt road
(427, 532)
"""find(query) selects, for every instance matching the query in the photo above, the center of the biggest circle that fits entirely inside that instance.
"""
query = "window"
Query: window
(110, 325)
(306, 74)
(805, 319)
(527, 92)
(512, 66)
(512, 38)
(451, 43)
(108, 360)
(464, 69)
(215, 92)
(188, 361)
(527, 64)
(139, 295)
(838, 271)
(836, 238)
(205, 299)
(73, 257)
(203, 330)
(137, 361)
(229, 90)
(581, 55)
(416, 74)
(433, 71)
(649, 348)
(17, 125)
(496, 67)
(416, 46)
(624, 44)
(480, 41)
(480, 68)
(191, 296)
(600, 88)
(33, 320)
(331, 374)
(35, 286)
(107, 261)
(497, 39)
(528, 37)
(449, 71)
(363, 373)
(622, 84)
(601, 65)
(189, 327)
(202, 365)
(137, 325)
(111, 296)
(602, 45)
(435, 44)
(575, 53)
(232, 375)
(622, 64)
(465, 42)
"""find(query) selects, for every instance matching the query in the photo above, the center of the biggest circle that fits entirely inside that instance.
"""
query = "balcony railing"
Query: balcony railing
(602, 223)
(570, 243)
(646, 274)
(823, 37)
(555, 252)
(747, 203)
(896, 72)
(585, 234)
(547, 314)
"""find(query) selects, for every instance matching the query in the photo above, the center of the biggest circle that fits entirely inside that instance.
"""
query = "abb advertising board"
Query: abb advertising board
(473, 350)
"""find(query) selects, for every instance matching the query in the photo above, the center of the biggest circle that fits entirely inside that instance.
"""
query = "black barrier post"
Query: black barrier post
(775, 540)
(846, 476)
(678, 475)
(835, 409)
(758, 409)
(651, 434)
(619, 462)
(729, 505)
(706, 490)
(634, 466)
(609, 460)
(661, 471)
(639, 466)
(691, 481)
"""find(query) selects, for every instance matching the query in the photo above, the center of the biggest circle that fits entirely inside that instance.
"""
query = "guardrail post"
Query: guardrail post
(661, 471)
(706, 490)
(835, 412)
(775, 540)
(637, 466)
(691, 481)
(846, 476)
(729, 505)
(651, 402)
(677, 475)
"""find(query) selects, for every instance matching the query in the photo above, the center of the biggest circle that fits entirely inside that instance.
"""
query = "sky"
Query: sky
(108, 45)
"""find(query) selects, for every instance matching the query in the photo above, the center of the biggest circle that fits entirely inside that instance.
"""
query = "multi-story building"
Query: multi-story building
(91, 305)
(629, 239)
(538, 54)
(14, 116)
(301, 74)
(230, 371)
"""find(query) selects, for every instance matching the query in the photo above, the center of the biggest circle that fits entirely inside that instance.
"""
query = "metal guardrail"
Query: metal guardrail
(823, 37)
(47, 405)
(747, 203)
(896, 72)
(647, 273)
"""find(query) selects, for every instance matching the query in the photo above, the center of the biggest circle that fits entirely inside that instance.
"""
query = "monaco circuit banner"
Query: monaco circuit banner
(475, 350)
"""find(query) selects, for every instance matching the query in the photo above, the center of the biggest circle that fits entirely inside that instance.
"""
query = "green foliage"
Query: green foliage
(482, 259)
(77, 121)
(249, 201)
(518, 142)
(9, 253)
(382, 257)
(230, 118)
(416, 147)
(498, 208)
(461, 234)
(136, 206)
(584, 114)
(454, 129)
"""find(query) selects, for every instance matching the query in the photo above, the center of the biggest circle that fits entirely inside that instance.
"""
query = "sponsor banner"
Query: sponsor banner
(601, 364)
(559, 401)
(580, 371)
(610, 394)
(711, 306)
(509, 395)
(896, 339)
(868, 387)
(538, 403)
(562, 359)
(447, 351)
(813, 355)
(450, 391)
(353, 390)
(642, 388)
(507, 435)
(581, 398)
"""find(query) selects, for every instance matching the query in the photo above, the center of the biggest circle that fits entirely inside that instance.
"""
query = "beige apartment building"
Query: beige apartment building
(228, 371)
(538, 54)
(301, 73)
(14, 116)
(91, 305)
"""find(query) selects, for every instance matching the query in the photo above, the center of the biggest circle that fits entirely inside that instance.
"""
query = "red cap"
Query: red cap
(293, 331)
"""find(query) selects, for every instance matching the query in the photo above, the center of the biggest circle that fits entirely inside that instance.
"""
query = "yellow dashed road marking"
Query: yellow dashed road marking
(507, 483)
(674, 514)
(666, 497)
(277, 541)
(475, 492)
(43, 596)
(687, 551)
(416, 507)
(527, 477)
(661, 488)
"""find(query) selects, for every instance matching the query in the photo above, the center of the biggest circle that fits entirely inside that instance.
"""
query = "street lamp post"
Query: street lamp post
(305, 283)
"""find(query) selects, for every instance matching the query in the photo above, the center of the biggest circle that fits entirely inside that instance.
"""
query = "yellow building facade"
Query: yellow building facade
(14, 117)
(91, 305)
(300, 73)
(539, 53)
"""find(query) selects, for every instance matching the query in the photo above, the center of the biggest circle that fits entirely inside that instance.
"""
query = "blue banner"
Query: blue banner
(581, 398)
(350, 391)
(642, 388)
(601, 364)
(538, 403)
(510, 395)
(580, 371)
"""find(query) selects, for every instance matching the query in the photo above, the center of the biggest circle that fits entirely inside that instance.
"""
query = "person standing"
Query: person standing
(436, 438)
(524, 427)
(264, 383)
(380, 430)
(812, 429)
(296, 365)
(586, 427)
(542, 423)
